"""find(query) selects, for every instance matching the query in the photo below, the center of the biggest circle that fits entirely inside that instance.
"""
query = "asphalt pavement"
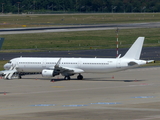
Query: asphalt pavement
(148, 53)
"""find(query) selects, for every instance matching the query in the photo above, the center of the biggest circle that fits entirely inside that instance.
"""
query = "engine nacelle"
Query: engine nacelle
(49, 73)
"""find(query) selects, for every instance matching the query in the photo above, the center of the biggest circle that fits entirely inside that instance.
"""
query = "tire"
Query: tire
(67, 78)
(79, 77)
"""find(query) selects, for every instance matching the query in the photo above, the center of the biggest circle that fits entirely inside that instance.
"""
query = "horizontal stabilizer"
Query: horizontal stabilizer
(150, 61)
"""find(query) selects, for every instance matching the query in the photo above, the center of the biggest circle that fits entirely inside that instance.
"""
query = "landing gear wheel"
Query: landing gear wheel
(67, 78)
(80, 77)
(19, 76)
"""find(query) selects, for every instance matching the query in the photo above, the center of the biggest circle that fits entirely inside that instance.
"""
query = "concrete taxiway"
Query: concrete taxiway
(127, 95)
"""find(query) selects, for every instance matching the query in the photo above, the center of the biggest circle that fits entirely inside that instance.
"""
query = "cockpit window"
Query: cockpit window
(9, 62)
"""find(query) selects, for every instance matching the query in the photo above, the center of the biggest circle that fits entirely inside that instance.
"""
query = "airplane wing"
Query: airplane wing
(70, 70)
(57, 69)
(66, 70)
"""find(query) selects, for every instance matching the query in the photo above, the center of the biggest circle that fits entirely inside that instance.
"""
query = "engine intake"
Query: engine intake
(49, 73)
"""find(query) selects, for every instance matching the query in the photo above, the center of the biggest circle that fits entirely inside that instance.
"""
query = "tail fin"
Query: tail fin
(135, 50)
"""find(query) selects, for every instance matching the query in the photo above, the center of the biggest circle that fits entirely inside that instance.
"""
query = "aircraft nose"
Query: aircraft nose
(7, 66)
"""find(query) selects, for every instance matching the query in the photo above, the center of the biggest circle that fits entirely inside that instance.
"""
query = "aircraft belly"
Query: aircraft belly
(99, 69)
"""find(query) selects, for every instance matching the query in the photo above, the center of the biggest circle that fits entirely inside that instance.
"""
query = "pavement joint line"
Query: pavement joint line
(149, 118)
(57, 86)
(136, 109)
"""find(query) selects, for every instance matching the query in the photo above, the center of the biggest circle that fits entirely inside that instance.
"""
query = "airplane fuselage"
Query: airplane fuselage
(31, 64)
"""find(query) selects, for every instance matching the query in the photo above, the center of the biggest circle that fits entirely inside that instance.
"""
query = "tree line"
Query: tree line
(110, 6)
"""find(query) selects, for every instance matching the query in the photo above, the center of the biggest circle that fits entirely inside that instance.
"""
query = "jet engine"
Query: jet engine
(49, 73)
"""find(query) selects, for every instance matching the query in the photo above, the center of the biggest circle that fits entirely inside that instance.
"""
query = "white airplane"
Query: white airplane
(50, 67)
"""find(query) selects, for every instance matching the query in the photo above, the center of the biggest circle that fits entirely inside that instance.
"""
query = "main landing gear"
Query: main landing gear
(19, 76)
(79, 77)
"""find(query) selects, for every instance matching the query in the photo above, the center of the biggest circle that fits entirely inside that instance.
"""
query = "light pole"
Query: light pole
(34, 2)
(143, 8)
(113, 7)
(124, 8)
(2, 8)
(18, 6)
(133, 9)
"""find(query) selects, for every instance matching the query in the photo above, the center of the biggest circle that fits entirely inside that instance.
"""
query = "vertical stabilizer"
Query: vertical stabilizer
(135, 50)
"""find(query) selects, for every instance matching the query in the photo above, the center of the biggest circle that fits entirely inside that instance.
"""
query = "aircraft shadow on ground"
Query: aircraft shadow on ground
(88, 79)
(114, 80)
(96, 80)
(4, 92)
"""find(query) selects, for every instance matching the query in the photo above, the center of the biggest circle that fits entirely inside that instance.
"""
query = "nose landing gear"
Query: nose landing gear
(67, 78)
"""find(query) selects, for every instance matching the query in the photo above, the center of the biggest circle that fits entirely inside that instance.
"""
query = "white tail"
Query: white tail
(135, 50)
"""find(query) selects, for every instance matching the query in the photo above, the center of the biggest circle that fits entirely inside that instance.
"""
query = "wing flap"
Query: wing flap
(64, 70)
(72, 70)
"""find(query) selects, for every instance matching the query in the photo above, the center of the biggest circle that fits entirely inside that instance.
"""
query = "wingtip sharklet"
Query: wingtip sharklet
(135, 50)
